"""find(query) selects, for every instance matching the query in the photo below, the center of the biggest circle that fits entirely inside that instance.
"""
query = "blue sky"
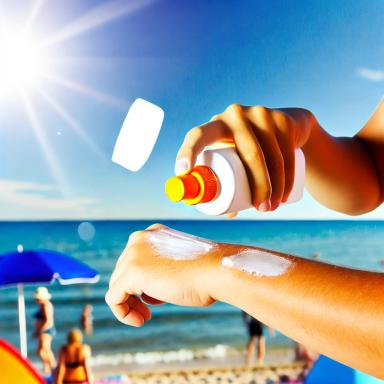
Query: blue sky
(192, 59)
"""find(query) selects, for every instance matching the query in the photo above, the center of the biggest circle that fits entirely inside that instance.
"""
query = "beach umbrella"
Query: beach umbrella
(40, 267)
(326, 370)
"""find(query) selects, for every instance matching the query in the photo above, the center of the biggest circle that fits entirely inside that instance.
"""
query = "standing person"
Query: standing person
(86, 320)
(255, 336)
(74, 358)
(45, 329)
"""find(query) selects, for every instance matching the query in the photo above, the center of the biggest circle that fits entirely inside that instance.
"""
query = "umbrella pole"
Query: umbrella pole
(22, 322)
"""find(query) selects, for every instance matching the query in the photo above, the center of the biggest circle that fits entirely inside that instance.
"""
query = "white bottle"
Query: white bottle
(232, 193)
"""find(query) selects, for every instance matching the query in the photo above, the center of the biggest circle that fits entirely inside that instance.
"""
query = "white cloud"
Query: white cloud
(23, 199)
(369, 74)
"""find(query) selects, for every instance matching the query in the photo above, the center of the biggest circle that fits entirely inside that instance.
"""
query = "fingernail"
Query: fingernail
(181, 166)
(274, 205)
(265, 206)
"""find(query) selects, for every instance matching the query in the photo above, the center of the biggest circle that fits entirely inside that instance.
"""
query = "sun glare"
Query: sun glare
(21, 63)
(30, 63)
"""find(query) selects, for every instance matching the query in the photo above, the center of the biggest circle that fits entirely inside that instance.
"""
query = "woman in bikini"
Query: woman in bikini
(73, 367)
(44, 329)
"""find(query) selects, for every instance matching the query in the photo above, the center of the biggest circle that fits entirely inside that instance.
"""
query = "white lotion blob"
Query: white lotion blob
(257, 262)
(177, 245)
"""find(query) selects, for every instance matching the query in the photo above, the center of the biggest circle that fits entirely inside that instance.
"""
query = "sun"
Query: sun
(22, 62)
(32, 66)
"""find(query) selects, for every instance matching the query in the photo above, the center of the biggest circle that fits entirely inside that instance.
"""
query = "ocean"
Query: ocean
(174, 333)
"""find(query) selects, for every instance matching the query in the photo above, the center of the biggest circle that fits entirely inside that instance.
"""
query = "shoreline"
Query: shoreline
(106, 365)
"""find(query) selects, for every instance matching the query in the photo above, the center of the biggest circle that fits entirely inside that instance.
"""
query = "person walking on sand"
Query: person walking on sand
(73, 367)
(255, 338)
(44, 329)
(86, 320)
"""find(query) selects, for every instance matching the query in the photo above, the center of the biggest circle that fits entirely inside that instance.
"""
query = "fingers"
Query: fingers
(232, 215)
(151, 300)
(251, 154)
(265, 128)
(263, 140)
(196, 140)
(286, 143)
(127, 308)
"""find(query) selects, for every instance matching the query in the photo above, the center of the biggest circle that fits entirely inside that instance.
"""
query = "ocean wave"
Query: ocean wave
(155, 357)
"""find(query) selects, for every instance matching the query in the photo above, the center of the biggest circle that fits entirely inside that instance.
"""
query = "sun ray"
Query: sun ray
(45, 146)
(71, 121)
(88, 91)
(96, 17)
(33, 13)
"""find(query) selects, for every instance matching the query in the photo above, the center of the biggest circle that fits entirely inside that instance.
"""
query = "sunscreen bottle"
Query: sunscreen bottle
(218, 183)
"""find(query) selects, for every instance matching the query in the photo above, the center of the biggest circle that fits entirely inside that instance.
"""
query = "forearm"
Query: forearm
(333, 310)
(340, 173)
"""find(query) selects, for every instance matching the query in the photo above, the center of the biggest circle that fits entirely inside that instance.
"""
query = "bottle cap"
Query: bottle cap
(199, 186)
(138, 135)
(182, 187)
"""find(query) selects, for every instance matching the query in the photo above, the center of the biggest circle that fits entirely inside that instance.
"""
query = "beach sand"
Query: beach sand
(225, 370)
(235, 374)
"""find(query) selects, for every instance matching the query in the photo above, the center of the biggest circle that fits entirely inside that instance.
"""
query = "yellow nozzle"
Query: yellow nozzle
(199, 186)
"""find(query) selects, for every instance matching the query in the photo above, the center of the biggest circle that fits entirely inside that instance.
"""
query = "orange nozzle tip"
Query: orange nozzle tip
(174, 189)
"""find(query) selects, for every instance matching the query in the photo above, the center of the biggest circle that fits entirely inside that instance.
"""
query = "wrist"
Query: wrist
(310, 127)
(221, 280)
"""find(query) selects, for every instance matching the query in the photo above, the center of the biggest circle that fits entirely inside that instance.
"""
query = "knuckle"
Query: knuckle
(195, 133)
(156, 226)
(259, 110)
(215, 117)
(136, 236)
(235, 109)
(283, 121)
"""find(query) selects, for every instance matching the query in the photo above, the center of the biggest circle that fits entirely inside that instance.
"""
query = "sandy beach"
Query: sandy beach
(234, 374)
(278, 365)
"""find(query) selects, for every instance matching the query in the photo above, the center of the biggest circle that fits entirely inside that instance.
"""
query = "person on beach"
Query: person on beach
(73, 366)
(334, 310)
(255, 338)
(44, 329)
(86, 320)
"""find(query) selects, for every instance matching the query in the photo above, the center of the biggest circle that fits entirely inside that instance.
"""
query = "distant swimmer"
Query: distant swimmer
(86, 320)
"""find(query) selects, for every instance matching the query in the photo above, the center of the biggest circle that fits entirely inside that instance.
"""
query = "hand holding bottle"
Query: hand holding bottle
(265, 140)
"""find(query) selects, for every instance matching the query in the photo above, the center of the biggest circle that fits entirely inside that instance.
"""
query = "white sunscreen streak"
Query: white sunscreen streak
(178, 246)
(257, 262)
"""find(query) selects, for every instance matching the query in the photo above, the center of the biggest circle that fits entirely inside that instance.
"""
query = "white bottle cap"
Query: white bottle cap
(138, 135)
